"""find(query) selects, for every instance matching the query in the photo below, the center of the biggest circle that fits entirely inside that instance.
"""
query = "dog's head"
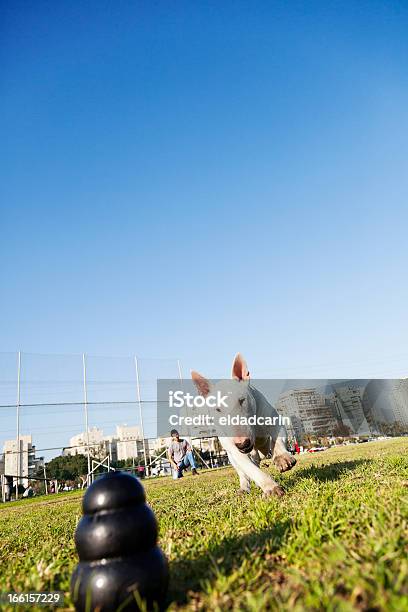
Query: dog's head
(237, 401)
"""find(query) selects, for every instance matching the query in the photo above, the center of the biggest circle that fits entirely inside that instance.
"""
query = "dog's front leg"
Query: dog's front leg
(281, 457)
(244, 464)
(244, 481)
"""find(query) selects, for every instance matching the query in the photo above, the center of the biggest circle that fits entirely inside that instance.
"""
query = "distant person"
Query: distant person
(180, 455)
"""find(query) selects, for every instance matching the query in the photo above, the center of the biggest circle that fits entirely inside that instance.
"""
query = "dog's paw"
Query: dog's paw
(273, 491)
(284, 462)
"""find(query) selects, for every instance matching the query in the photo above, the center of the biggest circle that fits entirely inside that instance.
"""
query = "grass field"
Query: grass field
(336, 541)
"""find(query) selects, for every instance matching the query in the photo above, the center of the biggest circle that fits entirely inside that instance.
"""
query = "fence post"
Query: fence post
(139, 399)
(18, 420)
(86, 415)
(3, 488)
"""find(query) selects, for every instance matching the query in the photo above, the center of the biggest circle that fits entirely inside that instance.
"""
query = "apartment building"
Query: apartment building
(20, 459)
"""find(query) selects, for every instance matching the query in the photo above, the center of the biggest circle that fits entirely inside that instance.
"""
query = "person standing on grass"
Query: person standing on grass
(180, 455)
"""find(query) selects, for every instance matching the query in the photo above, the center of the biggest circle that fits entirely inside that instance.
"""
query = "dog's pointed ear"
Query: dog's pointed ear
(203, 385)
(239, 368)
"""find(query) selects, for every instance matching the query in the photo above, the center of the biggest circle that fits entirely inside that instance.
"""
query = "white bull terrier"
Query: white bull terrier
(247, 444)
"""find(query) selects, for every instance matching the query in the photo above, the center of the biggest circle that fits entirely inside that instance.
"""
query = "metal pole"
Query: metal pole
(45, 481)
(18, 420)
(86, 415)
(139, 399)
(153, 461)
(181, 385)
(199, 455)
(179, 369)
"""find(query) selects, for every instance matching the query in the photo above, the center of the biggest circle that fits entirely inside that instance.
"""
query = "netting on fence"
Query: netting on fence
(54, 399)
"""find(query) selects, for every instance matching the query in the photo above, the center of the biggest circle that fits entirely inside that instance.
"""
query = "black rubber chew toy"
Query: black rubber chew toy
(116, 539)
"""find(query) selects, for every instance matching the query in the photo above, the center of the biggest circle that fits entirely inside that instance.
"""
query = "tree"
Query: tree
(393, 429)
(69, 467)
(342, 431)
(129, 463)
(307, 439)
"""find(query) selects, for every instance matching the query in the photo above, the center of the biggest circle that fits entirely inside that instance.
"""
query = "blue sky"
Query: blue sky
(195, 179)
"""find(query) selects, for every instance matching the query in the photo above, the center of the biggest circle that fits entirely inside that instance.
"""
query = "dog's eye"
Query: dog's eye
(241, 401)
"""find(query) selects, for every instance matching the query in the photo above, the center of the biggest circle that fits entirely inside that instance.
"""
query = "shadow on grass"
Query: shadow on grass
(332, 471)
(189, 573)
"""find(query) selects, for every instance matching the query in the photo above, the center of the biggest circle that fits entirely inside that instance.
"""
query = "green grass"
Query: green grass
(336, 541)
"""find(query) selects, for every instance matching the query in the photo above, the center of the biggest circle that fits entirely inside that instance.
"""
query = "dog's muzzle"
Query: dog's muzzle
(245, 447)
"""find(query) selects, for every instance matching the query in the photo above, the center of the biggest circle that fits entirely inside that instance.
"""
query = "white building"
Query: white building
(348, 402)
(20, 460)
(310, 412)
(386, 402)
(127, 443)
(158, 444)
(400, 401)
(78, 444)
